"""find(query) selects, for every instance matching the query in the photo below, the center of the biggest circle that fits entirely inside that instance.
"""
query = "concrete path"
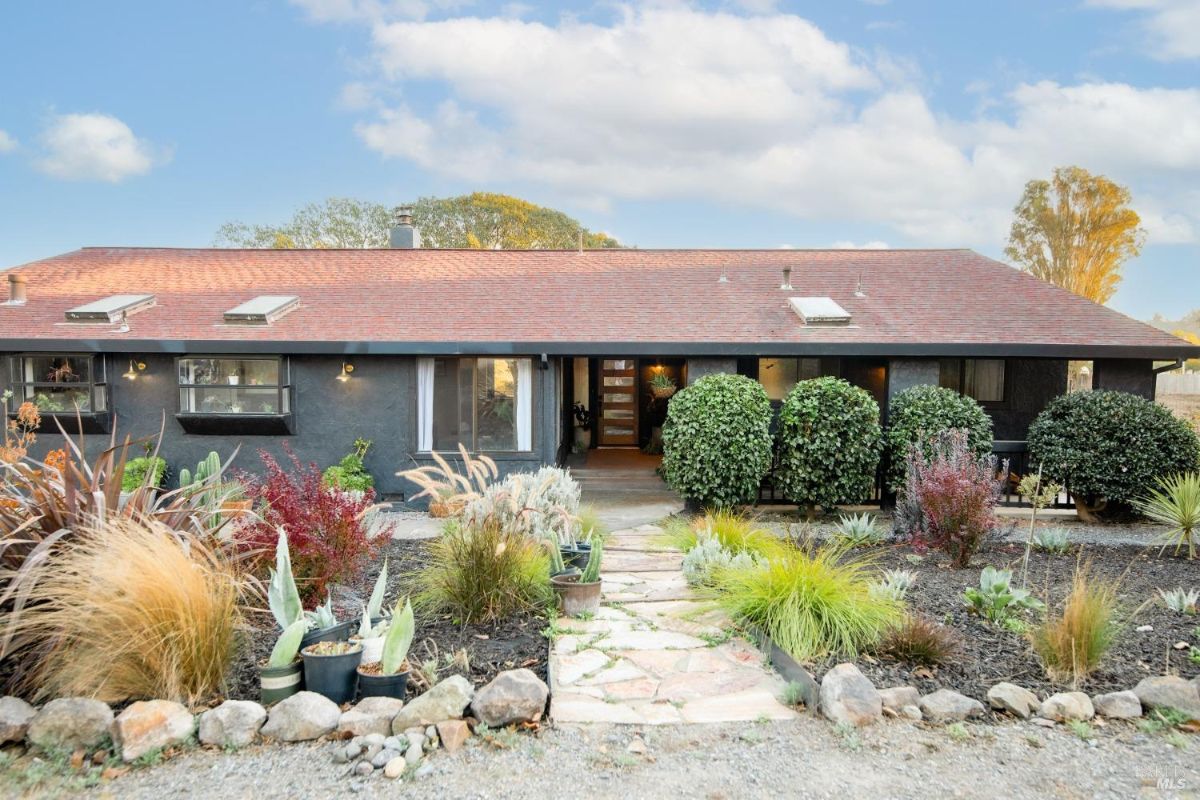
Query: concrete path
(654, 655)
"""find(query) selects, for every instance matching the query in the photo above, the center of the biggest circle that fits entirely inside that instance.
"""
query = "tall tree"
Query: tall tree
(1075, 231)
(476, 221)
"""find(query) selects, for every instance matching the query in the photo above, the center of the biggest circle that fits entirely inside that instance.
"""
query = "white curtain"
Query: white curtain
(424, 404)
(524, 404)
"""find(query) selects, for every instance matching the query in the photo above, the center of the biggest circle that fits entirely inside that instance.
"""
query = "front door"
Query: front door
(618, 402)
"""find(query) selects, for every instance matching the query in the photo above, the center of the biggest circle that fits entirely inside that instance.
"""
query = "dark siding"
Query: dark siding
(377, 403)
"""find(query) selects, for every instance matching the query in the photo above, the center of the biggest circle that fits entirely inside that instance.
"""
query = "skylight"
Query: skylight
(262, 310)
(110, 309)
(819, 311)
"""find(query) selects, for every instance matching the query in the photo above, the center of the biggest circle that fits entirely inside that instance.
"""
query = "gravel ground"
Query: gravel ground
(807, 758)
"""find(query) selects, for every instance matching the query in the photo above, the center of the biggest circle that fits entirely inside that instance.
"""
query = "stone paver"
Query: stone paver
(654, 654)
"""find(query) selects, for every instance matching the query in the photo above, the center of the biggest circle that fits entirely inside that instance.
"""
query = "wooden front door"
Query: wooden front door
(618, 402)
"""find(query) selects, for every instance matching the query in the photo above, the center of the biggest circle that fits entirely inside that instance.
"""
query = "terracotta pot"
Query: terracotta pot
(442, 509)
(576, 598)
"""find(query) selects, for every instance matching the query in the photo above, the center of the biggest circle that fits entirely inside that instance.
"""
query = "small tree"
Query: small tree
(717, 440)
(828, 444)
(1110, 447)
(920, 414)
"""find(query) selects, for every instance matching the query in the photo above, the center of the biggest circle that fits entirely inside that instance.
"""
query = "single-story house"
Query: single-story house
(420, 349)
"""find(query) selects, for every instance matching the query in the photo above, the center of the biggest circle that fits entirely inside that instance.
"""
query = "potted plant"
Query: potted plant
(323, 625)
(388, 677)
(284, 600)
(580, 594)
(662, 386)
(282, 674)
(558, 567)
(373, 625)
(330, 668)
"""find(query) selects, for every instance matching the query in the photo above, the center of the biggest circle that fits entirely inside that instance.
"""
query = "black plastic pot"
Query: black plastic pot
(336, 677)
(276, 683)
(383, 685)
(567, 573)
(337, 633)
(576, 555)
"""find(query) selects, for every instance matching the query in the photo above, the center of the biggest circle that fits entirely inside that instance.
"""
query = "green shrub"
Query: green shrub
(484, 573)
(137, 470)
(811, 603)
(920, 414)
(828, 443)
(717, 440)
(1110, 447)
(350, 474)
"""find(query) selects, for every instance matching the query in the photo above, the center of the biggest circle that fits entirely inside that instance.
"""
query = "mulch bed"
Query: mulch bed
(990, 654)
(489, 648)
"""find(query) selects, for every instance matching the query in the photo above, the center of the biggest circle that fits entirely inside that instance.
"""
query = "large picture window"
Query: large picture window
(980, 378)
(59, 384)
(483, 403)
(234, 386)
(779, 375)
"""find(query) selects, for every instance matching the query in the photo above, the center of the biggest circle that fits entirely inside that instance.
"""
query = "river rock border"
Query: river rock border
(377, 734)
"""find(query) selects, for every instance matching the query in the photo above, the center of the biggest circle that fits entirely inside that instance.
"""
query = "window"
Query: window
(234, 386)
(484, 403)
(980, 378)
(58, 384)
(779, 375)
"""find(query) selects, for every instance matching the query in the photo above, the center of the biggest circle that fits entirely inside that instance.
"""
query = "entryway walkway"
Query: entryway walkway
(623, 485)
(654, 655)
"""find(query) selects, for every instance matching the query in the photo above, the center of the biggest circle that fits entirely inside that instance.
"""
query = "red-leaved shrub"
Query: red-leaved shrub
(327, 534)
(954, 491)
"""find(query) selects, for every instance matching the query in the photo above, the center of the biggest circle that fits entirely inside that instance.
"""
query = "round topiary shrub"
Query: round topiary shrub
(921, 413)
(828, 443)
(1109, 447)
(717, 440)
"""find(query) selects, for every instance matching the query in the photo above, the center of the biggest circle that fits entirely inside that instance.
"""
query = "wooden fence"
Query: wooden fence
(1178, 383)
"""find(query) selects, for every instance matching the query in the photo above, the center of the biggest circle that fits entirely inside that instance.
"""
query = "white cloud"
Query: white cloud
(843, 244)
(1171, 27)
(766, 111)
(7, 142)
(95, 147)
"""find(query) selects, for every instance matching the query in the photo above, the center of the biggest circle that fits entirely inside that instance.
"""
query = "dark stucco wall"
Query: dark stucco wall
(1125, 375)
(377, 403)
(1029, 385)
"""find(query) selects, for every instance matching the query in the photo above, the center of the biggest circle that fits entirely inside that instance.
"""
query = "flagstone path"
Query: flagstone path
(654, 654)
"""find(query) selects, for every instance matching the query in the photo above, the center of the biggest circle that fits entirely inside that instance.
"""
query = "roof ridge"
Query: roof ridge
(537, 250)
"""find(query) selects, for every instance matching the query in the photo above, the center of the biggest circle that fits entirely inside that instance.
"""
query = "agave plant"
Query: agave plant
(858, 530)
(1176, 503)
(1180, 600)
(894, 584)
(398, 639)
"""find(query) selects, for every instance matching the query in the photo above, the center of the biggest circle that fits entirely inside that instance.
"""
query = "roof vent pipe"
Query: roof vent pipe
(403, 235)
(787, 279)
(17, 294)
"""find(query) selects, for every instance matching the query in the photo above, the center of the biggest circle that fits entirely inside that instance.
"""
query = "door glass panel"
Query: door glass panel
(617, 364)
(618, 413)
(618, 397)
(613, 430)
(618, 381)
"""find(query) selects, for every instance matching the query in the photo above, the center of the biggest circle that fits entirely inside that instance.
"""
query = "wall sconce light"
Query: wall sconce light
(344, 375)
(135, 368)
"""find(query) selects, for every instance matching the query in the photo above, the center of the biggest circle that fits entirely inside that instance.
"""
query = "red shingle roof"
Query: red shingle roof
(953, 298)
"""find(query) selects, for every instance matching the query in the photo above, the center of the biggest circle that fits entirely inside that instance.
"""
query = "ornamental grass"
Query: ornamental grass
(811, 602)
(1072, 640)
(484, 572)
(736, 532)
(131, 609)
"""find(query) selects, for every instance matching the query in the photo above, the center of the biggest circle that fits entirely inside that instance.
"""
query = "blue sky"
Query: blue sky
(723, 124)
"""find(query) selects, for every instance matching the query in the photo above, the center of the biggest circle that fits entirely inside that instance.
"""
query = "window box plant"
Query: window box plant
(580, 594)
(330, 669)
(388, 677)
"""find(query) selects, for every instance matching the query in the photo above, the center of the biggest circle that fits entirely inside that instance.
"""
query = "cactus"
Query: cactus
(591, 573)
